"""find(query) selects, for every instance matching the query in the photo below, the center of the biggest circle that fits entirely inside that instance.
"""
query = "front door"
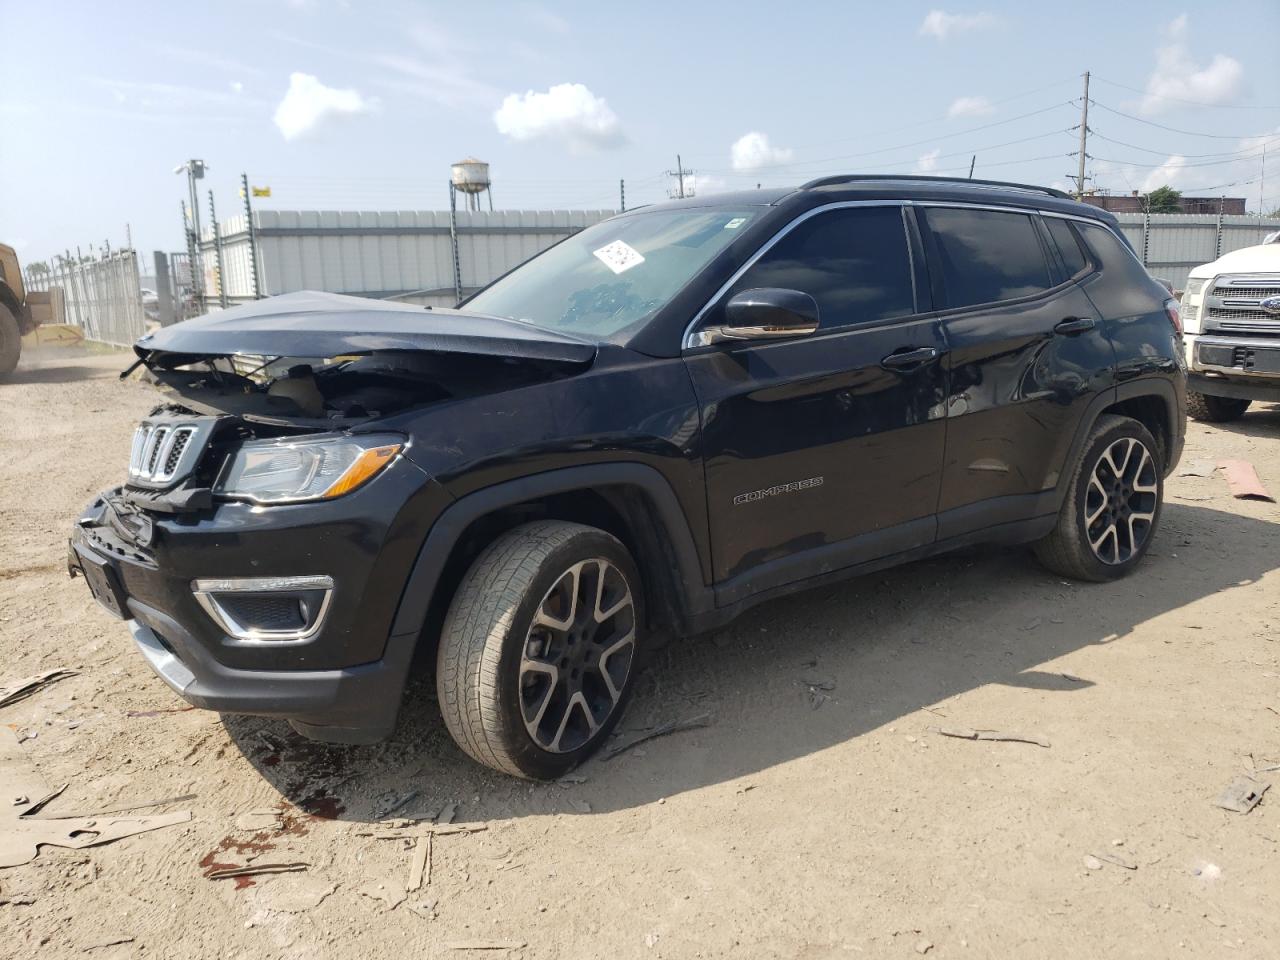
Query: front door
(825, 451)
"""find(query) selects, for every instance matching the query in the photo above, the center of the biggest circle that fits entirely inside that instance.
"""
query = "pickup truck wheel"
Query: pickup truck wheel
(538, 651)
(1202, 406)
(10, 340)
(1112, 506)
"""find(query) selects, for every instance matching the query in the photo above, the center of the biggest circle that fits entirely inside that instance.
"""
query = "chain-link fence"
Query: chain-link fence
(102, 296)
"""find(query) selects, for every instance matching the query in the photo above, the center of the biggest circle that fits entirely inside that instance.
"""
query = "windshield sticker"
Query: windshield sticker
(735, 223)
(619, 256)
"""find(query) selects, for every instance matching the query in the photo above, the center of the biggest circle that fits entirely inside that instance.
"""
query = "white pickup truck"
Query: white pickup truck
(1231, 316)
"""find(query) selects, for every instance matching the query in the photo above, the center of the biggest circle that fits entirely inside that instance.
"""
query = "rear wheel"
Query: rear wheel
(1202, 406)
(10, 340)
(538, 651)
(1112, 506)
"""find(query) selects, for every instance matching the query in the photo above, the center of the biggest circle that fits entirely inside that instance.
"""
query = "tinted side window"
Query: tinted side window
(853, 262)
(985, 255)
(1112, 254)
(1073, 257)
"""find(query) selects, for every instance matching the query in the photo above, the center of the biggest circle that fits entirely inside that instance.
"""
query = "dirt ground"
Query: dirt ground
(802, 822)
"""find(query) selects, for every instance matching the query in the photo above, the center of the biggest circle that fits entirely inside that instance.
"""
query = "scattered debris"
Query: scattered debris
(447, 813)
(964, 733)
(923, 946)
(1198, 468)
(1242, 795)
(1243, 482)
(139, 806)
(1207, 871)
(420, 866)
(390, 893)
(262, 819)
(485, 945)
(253, 869)
(108, 942)
(14, 690)
(157, 713)
(579, 805)
(21, 836)
(1110, 858)
(411, 795)
(413, 833)
(572, 778)
(662, 730)
(824, 685)
(1092, 863)
(1072, 677)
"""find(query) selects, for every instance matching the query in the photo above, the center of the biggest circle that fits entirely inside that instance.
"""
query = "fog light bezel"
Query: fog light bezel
(206, 591)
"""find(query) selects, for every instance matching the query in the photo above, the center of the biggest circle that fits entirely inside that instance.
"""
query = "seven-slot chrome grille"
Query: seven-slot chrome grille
(1233, 305)
(166, 449)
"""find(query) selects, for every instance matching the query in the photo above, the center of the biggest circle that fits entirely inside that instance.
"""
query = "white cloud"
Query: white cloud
(1170, 173)
(751, 151)
(567, 111)
(928, 161)
(237, 86)
(940, 24)
(1176, 76)
(308, 102)
(970, 107)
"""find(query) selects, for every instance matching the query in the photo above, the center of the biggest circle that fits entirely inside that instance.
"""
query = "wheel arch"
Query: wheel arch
(1151, 401)
(631, 501)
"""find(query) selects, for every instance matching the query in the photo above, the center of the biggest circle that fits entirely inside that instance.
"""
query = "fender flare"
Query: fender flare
(1129, 390)
(420, 587)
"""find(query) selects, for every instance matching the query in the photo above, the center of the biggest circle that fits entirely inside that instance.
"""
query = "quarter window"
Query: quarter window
(985, 256)
(1072, 256)
(853, 262)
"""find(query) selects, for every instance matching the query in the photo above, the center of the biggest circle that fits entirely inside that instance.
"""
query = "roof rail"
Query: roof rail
(918, 178)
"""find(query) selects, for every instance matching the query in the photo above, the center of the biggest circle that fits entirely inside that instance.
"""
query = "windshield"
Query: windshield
(616, 274)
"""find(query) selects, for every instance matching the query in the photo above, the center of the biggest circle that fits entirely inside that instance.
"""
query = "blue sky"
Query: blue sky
(364, 105)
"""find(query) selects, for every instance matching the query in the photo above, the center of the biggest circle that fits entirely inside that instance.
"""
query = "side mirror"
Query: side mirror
(765, 313)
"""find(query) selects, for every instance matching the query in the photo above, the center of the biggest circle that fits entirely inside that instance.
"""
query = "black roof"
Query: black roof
(899, 186)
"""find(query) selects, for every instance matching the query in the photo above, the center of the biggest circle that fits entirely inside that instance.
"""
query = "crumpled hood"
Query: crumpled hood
(314, 324)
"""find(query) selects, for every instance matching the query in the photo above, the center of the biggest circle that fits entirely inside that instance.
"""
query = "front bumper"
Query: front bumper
(1245, 368)
(344, 683)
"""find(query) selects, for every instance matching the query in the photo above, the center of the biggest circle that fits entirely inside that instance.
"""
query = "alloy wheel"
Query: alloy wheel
(577, 655)
(1120, 502)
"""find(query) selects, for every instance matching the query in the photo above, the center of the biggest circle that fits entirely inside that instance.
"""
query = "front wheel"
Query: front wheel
(10, 340)
(538, 651)
(1112, 506)
(1210, 409)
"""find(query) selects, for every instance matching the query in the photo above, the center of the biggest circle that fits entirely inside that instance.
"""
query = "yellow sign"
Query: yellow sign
(262, 191)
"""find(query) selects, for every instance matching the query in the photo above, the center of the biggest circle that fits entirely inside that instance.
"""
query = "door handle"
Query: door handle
(910, 358)
(1075, 325)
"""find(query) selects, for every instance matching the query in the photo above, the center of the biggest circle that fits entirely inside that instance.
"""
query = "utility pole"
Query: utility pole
(1084, 137)
(217, 254)
(679, 173)
(195, 171)
(622, 195)
(253, 243)
(971, 163)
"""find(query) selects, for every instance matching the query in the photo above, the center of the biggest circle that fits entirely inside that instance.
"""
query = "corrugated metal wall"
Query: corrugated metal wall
(385, 253)
(1177, 242)
(393, 253)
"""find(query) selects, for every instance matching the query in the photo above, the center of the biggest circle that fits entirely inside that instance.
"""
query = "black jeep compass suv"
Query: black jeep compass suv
(659, 422)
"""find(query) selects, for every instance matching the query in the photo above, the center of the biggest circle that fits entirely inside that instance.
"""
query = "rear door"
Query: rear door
(1028, 353)
(820, 451)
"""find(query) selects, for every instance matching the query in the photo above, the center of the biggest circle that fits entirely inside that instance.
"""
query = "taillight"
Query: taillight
(1174, 312)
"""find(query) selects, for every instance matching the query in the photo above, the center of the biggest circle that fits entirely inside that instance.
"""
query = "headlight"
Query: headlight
(1194, 287)
(1191, 311)
(293, 470)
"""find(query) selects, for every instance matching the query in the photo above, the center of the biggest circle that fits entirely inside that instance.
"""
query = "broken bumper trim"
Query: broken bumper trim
(348, 705)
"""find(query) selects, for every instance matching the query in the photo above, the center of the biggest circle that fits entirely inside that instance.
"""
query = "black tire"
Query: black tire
(10, 341)
(1069, 550)
(501, 677)
(1210, 409)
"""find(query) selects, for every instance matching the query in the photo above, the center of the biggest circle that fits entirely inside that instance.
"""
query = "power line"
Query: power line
(1195, 103)
(1166, 153)
(1188, 133)
(1203, 163)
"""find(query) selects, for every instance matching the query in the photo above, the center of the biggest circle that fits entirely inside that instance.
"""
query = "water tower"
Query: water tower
(471, 177)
